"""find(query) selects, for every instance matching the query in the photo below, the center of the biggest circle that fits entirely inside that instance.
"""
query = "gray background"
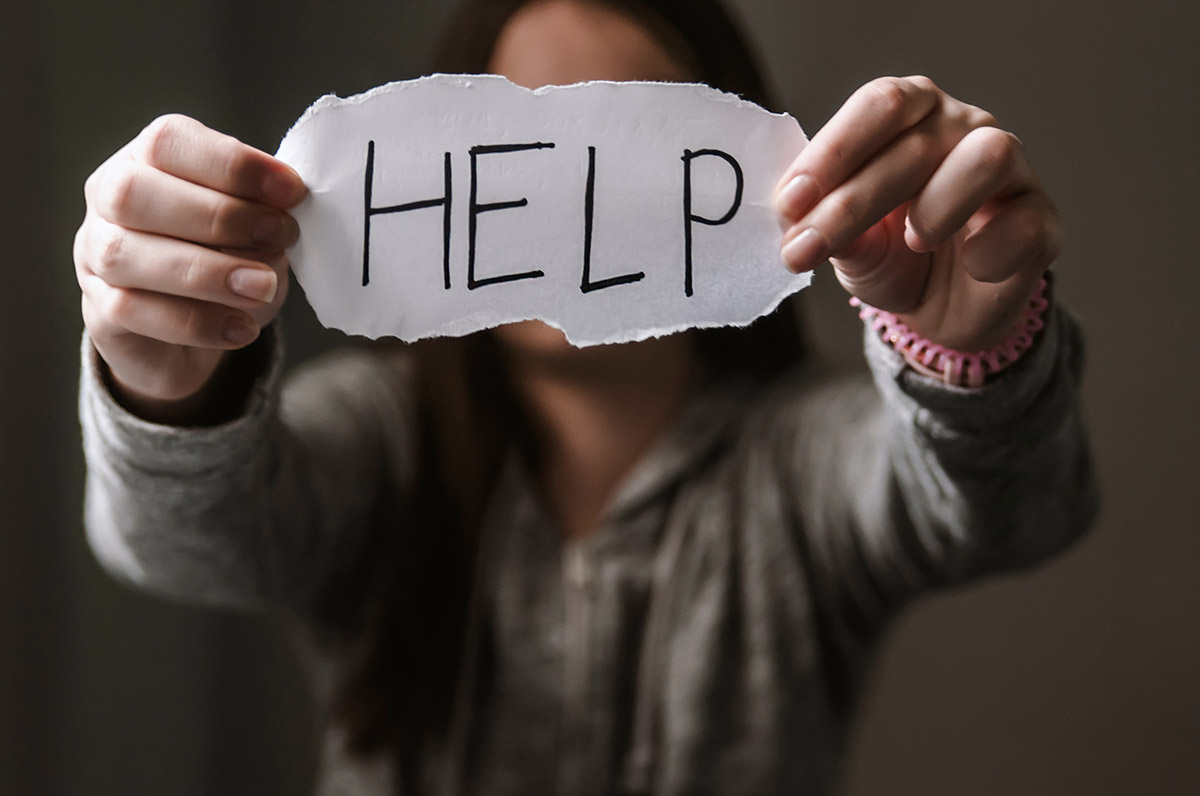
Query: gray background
(1078, 678)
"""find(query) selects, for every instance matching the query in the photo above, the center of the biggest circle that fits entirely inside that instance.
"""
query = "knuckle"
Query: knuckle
(88, 313)
(234, 165)
(194, 325)
(834, 151)
(110, 251)
(79, 247)
(847, 211)
(119, 194)
(923, 84)
(118, 306)
(193, 277)
(100, 328)
(160, 137)
(956, 117)
(91, 185)
(999, 150)
(921, 147)
(888, 99)
(978, 117)
(223, 222)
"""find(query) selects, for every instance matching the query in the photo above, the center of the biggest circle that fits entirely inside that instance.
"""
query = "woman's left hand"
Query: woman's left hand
(926, 208)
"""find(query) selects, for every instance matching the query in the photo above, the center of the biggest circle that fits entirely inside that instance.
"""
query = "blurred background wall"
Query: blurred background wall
(1078, 678)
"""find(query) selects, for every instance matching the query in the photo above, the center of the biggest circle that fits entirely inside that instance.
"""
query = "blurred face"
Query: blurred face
(557, 42)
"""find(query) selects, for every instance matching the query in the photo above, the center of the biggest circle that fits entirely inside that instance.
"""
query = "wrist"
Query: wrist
(186, 409)
(968, 367)
(220, 398)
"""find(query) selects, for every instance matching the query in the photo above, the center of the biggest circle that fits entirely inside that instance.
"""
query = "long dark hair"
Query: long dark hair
(400, 697)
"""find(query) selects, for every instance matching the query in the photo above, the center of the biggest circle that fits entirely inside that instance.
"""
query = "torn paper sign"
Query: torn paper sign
(614, 211)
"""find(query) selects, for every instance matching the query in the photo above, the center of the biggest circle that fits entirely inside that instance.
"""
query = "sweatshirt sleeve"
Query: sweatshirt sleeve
(915, 485)
(270, 509)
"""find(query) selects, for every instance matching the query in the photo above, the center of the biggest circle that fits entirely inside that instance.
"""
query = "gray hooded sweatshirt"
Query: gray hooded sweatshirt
(709, 638)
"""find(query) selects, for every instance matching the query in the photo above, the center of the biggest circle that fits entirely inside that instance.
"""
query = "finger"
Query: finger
(140, 197)
(856, 205)
(169, 319)
(130, 259)
(142, 366)
(873, 116)
(277, 262)
(1020, 236)
(987, 163)
(880, 269)
(187, 149)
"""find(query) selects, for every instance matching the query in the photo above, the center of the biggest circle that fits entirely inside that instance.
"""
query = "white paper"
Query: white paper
(529, 257)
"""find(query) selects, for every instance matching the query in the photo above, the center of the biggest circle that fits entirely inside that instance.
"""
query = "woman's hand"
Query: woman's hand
(180, 257)
(927, 209)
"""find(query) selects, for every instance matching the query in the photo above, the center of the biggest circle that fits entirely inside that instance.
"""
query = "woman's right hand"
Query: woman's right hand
(180, 258)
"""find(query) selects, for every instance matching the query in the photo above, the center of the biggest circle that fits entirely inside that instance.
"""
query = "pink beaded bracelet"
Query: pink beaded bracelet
(957, 368)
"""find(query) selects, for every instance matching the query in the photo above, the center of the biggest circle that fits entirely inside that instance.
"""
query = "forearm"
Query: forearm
(998, 476)
(261, 510)
(916, 485)
(175, 510)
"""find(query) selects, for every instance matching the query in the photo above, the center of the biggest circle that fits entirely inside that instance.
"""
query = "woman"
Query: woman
(522, 567)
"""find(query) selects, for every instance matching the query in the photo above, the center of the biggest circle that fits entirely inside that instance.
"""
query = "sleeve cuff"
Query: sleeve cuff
(1056, 354)
(159, 448)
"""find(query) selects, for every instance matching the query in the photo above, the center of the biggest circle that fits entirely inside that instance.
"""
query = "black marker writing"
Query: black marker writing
(689, 217)
(477, 208)
(444, 202)
(589, 205)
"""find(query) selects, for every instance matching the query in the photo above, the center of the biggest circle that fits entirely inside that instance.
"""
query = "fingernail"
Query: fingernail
(239, 330)
(797, 197)
(805, 251)
(281, 188)
(270, 229)
(253, 283)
